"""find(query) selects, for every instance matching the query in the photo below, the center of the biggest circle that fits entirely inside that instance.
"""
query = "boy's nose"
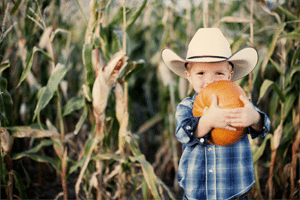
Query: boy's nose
(209, 79)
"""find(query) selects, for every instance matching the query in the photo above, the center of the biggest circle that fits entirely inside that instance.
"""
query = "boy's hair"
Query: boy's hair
(186, 65)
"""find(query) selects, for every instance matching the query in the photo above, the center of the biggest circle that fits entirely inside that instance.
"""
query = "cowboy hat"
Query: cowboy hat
(210, 45)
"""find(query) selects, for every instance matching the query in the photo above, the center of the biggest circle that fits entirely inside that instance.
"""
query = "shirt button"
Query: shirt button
(201, 140)
(209, 149)
(188, 128)
(210, 170)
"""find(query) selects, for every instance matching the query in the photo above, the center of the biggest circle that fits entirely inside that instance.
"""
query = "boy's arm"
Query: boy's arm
(186, 123)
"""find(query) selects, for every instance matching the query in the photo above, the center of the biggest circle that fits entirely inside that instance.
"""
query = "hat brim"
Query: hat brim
(244, 61)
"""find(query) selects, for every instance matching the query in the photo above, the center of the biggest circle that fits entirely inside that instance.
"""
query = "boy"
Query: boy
(208, 171)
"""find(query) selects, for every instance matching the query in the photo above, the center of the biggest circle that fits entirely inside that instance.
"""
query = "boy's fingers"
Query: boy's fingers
(244, 100)
(230, 128)
(214, 100)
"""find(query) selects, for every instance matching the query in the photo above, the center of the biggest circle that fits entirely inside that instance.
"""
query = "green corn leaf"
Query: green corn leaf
(276, 67)
(87, 148)
(272, 45)
(3, 170)
(87, 61)
(4, 65)
(138, 66)
(19, 185)
(46, 93)
(45, 97)
(296, 56)
(288, 13)
(148, 174)
(292, 36)
(57, 75)
(117, 18)
(81, 120)
(16, 7)
(288, 104)
(289, 77)
(44, 159)
(266, 84)
(6, 107)
(133, 18)
(33, 150)
(75, 103)
(3, 84)
(260, 150)
(29, 63)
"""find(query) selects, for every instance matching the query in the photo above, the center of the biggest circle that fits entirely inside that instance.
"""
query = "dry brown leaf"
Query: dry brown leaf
(21, 132)
(6, 140)
(120, 102)
(277, 136)
(234, 20)
(100, 94)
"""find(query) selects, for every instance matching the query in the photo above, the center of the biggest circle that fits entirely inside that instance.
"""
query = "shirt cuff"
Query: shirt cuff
(266, 127)
(190, 128)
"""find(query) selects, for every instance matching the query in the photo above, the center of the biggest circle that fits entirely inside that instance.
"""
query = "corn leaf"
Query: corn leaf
(26, 131)
(33, 150)
(87, 148)
(47, 92)
(276, 67)
(88, 64)
(6, 107)
(138, 66)
(16, 7)
(265, 86)
(19, 185)
(29, 63)
(292, 36)
(288, 13)
(133, 18)
(81, 120)
(148, 174)
(44, 159)
(289, 77)
(288, 104)
(260, 150)
(107, 156)
(4, 65)
(272, 45)
(296, 56)
(75, 103)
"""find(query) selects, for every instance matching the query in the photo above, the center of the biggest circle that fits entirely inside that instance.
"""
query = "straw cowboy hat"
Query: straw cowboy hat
(210, 45)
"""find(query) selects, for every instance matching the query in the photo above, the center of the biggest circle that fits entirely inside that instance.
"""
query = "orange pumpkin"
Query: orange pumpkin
(228, 93)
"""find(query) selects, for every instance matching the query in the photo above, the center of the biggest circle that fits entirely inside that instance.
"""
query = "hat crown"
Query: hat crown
(208, 42)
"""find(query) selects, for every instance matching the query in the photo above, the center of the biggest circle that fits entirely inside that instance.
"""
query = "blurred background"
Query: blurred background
(87, 105)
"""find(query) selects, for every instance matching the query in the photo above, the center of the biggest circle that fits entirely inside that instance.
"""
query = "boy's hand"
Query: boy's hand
(244, 116)
(216, 117)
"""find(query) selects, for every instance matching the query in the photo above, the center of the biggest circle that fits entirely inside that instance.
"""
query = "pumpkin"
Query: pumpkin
(228, 93)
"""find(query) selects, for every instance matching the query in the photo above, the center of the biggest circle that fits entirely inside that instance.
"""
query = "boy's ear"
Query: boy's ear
(231, 74)
(188, 76)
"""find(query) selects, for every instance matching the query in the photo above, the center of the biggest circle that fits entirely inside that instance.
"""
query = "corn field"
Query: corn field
(87, 105)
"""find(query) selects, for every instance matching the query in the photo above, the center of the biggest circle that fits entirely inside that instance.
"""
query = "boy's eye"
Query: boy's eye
(200, 73)
(220, 73)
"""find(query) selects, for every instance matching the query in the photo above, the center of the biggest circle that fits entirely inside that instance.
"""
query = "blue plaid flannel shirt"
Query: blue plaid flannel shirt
(208, 171)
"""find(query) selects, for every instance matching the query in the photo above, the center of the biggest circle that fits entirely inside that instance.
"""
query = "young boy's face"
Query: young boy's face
(201, 74)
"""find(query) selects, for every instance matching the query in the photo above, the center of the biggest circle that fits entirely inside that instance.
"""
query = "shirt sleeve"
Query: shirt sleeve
(186, 123)
(266, 126)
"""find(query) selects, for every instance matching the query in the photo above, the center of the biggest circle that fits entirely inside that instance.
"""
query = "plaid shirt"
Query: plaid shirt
(208, 171)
